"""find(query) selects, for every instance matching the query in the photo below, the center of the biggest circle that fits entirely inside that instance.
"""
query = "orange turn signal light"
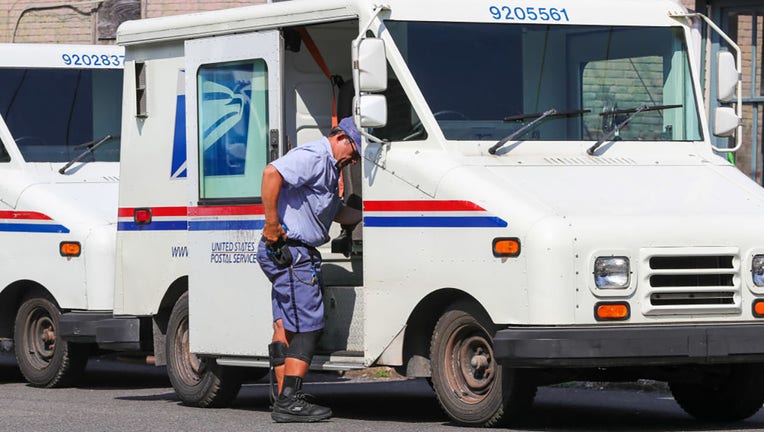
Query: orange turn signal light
(70, 249)
(758, 308)
(506, 247)
(612, 311)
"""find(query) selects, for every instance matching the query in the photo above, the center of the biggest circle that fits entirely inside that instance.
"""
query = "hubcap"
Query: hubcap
(39, 337)
(470, 364)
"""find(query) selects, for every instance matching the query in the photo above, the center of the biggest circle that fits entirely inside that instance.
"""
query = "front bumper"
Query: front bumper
(629, 346)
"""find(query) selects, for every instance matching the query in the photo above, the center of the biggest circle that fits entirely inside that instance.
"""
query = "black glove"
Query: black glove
(279, 253)
(344, 242)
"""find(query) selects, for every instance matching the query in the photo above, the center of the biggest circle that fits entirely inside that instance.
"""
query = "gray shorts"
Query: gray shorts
(296, 296)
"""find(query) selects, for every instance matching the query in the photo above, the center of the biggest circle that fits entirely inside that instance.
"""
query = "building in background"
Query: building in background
(743, 21)
(96, 21)
(89, 21)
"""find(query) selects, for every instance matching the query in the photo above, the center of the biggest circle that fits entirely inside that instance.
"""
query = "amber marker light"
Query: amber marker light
(612, 311)
(506, 247)
(70, 249)
(758, 308)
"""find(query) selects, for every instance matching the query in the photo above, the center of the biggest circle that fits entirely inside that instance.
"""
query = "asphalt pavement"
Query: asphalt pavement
(117, 396)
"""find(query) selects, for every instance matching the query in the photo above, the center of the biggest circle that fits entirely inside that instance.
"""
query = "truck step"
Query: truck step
(339, 361)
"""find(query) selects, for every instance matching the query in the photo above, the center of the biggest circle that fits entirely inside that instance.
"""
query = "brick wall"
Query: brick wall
(22, 22)
(741, 29)
(156, 8)
(82, 21)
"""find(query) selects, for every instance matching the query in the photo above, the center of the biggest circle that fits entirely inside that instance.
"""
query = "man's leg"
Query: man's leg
(295, 367)
(277, 352)
(299, 354)
(291, 405)
(283, 364)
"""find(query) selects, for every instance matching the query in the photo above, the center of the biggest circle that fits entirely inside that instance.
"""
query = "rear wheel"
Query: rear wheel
(470, 385)
(43, 358)
(726, 393)
(197, 381)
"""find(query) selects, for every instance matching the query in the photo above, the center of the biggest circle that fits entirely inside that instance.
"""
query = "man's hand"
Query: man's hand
(273, 232)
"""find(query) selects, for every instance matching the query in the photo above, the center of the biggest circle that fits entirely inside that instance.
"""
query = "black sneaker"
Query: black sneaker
(293, 407)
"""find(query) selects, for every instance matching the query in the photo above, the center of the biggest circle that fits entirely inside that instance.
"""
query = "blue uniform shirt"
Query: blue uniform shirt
(309, 198)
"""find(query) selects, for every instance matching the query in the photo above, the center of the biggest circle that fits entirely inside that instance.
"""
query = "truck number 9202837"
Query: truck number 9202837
(92, 60)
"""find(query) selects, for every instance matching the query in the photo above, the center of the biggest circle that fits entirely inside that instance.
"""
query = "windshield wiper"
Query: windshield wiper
(91, 146)
(538, 118)
(633, 111)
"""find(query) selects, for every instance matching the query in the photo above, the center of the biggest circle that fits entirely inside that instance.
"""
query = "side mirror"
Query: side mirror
(373, 108)
(725, 121)
(727, 77)
(372, 65)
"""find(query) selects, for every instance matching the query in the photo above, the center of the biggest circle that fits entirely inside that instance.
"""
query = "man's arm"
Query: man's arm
(272, 182)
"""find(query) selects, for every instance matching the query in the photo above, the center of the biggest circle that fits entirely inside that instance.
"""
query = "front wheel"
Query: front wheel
(43, 358)
(727, 393)
(472, 388)
(197, 381)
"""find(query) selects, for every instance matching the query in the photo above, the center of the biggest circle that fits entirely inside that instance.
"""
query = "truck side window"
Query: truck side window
(233, 128)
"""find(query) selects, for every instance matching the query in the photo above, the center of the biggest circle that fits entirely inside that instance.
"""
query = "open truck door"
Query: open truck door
(233, 90)
(233, 102)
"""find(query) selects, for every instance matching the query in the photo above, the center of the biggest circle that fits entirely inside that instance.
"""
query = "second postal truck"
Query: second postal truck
(542, 200)
(60, 114)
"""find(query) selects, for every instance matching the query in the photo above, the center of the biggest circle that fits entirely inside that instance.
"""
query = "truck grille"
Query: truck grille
(690, 281)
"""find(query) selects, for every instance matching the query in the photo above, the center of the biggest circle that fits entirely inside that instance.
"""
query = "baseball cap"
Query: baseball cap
(348, 126)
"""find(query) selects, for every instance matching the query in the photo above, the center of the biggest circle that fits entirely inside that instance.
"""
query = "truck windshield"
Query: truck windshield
(485, 81)
(51, 111)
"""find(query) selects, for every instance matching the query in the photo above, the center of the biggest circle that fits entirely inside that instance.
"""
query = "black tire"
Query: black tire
(730, 393)
(197, 381)
(472, 388)
(43, 358)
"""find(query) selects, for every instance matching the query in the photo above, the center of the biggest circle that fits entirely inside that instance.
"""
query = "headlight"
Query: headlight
(613, 272)
(757, 270)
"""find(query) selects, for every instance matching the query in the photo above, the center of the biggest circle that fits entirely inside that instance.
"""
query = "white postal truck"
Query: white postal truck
(60, 113)
(542, 201)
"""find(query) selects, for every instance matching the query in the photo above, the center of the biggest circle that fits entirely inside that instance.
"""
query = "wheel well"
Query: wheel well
(10, 300)
(162, 317)
(420, 325)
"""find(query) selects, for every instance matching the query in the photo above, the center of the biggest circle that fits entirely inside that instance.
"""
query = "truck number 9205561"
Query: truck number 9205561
(528, 13)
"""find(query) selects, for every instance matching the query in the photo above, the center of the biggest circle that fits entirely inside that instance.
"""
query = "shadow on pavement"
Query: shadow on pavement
(100, 373)
(593, 410)
(9, 371)
(568, 409)
(109, 373)
(399, 400)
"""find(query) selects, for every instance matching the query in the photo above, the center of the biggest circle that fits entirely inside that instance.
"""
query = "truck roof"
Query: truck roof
(304, 12)
(60, 56)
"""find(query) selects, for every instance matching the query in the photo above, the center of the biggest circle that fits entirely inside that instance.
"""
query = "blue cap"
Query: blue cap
(348, 126)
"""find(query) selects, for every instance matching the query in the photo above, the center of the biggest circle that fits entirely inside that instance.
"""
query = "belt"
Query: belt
(293, 242)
